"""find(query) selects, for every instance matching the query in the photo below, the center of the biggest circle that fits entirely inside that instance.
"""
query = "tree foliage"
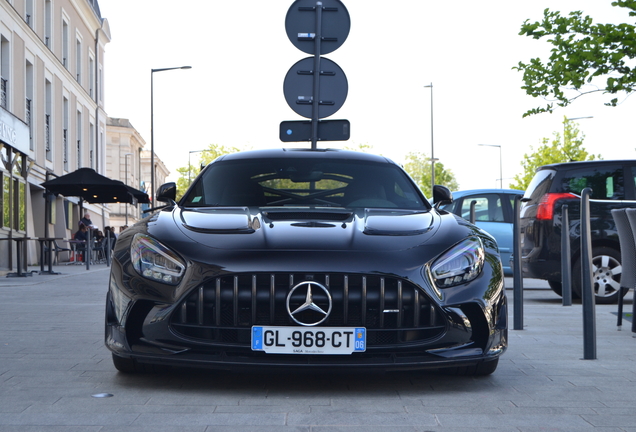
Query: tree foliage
(187, 174)
(418, 165)
(585, 58)
(563, 148)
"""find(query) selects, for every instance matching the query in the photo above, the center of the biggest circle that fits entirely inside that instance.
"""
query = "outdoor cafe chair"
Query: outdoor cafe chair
(625, 220)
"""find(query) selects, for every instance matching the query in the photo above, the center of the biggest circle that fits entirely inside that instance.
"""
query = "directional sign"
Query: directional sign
(316, 87)
(300, 24)
(299, 88)
(328, 130)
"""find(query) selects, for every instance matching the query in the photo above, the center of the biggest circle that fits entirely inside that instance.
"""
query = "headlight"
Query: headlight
(155, 261)
(460, 264)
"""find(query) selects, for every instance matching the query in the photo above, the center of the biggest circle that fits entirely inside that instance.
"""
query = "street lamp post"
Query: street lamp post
(500, 163)
(152, 132)
(126, 180)
(565, 124)
(189, 168)
(432, 146)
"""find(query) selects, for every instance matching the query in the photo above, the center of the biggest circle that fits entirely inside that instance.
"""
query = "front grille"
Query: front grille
(224, 309)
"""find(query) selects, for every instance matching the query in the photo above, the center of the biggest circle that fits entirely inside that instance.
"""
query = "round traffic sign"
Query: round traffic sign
(299, 87)
(300, 24)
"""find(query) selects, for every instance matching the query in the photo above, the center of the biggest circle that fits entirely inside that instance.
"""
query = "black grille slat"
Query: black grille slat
(224, 309)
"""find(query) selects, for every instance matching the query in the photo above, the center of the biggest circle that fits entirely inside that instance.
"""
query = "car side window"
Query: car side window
(488, 208)
(606, 182)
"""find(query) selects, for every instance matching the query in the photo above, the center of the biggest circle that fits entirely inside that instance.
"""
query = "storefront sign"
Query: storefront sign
(14, 132)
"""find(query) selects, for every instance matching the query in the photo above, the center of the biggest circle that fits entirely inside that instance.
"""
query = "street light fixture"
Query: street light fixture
(152, 134)
(126, 180)
(500, 163)
(432, 146)
(189, 167)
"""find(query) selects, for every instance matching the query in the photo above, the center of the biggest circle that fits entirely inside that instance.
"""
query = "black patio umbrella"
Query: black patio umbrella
(92, 187)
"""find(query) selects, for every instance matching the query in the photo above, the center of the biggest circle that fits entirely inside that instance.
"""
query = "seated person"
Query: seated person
(82, 236)
(109, 234)
(86, 220)
(82, 233)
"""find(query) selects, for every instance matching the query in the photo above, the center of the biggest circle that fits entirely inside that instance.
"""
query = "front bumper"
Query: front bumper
(453, 334)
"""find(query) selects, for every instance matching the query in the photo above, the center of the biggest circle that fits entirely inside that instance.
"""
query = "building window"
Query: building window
(6, 199)
(68, 214)
(65, 44)
(29, 103)
(48, 121)
(78, 60)
(48, 23)
(79, 139)
(19, 193)
(19, 205)
(5, 56)
(65, 134)
(28, 13)
(91, 77)
(91, 145)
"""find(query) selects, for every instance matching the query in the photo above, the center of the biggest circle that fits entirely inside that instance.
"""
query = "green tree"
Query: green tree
(418, 165)
(563, 148)
(585, 58)
(188, 173)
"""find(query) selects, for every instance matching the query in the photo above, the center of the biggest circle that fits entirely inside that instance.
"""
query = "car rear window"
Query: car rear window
(299, 182)
(539, 185)
(606, 182)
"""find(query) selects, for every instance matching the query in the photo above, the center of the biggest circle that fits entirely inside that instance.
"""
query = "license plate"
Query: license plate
(303, 340)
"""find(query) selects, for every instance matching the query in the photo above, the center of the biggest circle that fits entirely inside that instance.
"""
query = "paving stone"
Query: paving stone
(52, 360)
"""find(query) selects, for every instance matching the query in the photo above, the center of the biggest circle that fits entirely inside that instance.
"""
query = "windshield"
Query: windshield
(304, 182)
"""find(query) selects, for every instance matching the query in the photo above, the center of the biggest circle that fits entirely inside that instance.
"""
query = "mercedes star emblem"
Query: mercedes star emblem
(313, 307)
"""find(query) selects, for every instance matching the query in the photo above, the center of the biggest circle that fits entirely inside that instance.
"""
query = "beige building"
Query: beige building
(126, 160)
(52, 118)
(123, 162)
(161, 170)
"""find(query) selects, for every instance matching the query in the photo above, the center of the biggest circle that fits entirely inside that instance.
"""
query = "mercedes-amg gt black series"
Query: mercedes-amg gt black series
(319, 259)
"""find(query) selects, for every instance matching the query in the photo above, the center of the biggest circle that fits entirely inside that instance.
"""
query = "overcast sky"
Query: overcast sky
(240, 54)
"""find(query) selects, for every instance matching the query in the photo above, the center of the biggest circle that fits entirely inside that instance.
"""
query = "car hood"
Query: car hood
(241, 239)
(305, 228)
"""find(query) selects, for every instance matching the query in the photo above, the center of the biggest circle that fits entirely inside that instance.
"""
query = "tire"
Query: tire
(606, 275)
(557, 287)
(480, 369)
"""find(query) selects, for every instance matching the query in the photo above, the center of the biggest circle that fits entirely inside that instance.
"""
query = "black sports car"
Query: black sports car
(306, 258)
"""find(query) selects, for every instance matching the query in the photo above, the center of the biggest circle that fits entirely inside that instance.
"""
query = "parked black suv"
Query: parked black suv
(613, 186)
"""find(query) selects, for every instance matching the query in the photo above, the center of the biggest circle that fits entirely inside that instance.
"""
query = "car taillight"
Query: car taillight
(545, 210)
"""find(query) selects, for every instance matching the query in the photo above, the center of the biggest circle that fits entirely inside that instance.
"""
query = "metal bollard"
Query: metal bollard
(518, 276)
(89, 247)
(472, 216)
(108, 250)
(566, 258)
(587, 289)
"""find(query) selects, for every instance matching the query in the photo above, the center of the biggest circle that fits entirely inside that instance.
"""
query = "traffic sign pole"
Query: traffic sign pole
(316, 101)
(304, 90)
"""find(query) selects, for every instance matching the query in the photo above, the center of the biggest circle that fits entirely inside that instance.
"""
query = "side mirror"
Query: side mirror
(167, 192)
(441, 195)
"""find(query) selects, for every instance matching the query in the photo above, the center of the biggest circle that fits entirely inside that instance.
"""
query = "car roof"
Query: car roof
(462, 193)
(285, 153)
(575, 164)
